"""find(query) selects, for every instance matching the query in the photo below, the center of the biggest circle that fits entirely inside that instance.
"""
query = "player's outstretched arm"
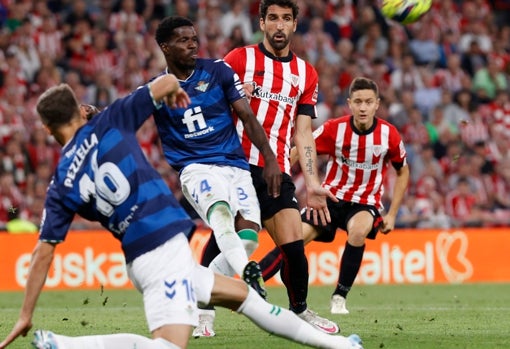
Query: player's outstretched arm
(39, 266)
(398, 195)
(316, 195)
(166, 89)
(272, 173)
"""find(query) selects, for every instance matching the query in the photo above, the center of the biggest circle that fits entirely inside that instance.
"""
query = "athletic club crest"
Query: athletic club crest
(294, 80)
(377, 150)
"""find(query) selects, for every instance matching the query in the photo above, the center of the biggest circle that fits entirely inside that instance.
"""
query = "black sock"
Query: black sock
(349, 267)
(294, 274)
(271, 263)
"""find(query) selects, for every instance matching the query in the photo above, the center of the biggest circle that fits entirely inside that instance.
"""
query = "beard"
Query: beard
(186, 64)
(277, 45)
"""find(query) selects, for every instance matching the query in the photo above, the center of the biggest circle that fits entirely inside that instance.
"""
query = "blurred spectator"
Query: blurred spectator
(42, 149)
(318, 43)
(476, 31)
(125, 20)
(237, 16)
(498, 112)
(463, 207)
(372, 44)
(12, 196)
(79, 11)
(48, 38)
(487, 167)
(414, 134)
(407, 76)
(133, 75)
(102, 91)
(498, 144)
(498, 187)
(235, 39)
(15, 160)
(429, 205)
(426, 165)
(328, 98)
(474, 130)
(451, 77)
(99, 56)
(473, 58)
(469, 169)
(447, 47)
(450, 160)
(488, 80)
(458, 111)
(77, 42)
(438, 127)
(401, 108)
(429, 95)
(344, 17)
(215, 45)
(25, 51)
(423, 47)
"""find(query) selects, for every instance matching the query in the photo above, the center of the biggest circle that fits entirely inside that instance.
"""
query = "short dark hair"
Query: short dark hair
(363, 84)
(167, 26)
(264, 5)
(57, 106)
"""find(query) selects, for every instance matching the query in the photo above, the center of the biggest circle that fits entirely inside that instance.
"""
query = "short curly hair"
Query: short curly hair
(167, 26)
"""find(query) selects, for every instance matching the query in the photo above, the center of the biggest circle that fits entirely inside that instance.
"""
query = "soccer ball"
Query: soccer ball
(405, 11)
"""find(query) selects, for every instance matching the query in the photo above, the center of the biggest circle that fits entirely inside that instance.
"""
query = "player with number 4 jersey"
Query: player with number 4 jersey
(201, 142)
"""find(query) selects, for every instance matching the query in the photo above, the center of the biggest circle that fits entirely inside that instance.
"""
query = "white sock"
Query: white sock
(120, 340)
(285, 323)
(249, 239)
(221, 221)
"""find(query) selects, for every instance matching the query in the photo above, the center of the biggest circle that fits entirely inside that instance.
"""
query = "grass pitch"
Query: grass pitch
(385, 316)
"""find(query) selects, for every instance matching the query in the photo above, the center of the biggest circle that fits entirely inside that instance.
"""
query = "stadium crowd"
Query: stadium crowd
(444, 82)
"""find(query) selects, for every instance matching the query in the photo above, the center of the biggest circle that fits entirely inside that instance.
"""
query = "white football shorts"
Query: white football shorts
(172, 283)
(204, 185)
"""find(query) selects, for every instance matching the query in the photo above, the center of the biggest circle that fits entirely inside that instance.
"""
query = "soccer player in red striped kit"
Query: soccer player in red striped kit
(283, 92)
(360, 148)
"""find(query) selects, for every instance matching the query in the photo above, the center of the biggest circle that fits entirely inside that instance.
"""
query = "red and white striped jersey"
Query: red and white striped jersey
(284, 87)
(358, 162)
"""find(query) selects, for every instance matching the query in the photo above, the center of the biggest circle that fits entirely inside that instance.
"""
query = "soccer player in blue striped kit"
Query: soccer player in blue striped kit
(201, 142)
(103, 176)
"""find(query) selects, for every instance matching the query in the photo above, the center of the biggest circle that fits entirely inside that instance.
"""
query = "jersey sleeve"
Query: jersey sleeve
(397, 152)
(130, 112)
(56, 219)
(235, 59)
(308, 100)
(230, 82)
(324, 137)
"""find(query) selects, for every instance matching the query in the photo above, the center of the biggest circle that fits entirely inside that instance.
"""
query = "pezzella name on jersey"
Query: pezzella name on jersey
(79, 156)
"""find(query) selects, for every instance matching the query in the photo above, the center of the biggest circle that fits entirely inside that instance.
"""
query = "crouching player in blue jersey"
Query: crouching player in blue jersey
(104, 176)
(201, 142)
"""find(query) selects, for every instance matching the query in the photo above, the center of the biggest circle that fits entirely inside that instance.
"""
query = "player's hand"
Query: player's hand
(387, 224)
(20, 328)
(316, 204)
(178, 99)
(273, 177)
(248, 88)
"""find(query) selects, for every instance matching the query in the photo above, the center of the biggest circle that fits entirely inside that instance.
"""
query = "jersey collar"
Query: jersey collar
(285, 59)
(359, 132)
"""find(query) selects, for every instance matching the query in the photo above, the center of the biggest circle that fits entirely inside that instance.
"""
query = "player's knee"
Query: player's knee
(357, 238)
